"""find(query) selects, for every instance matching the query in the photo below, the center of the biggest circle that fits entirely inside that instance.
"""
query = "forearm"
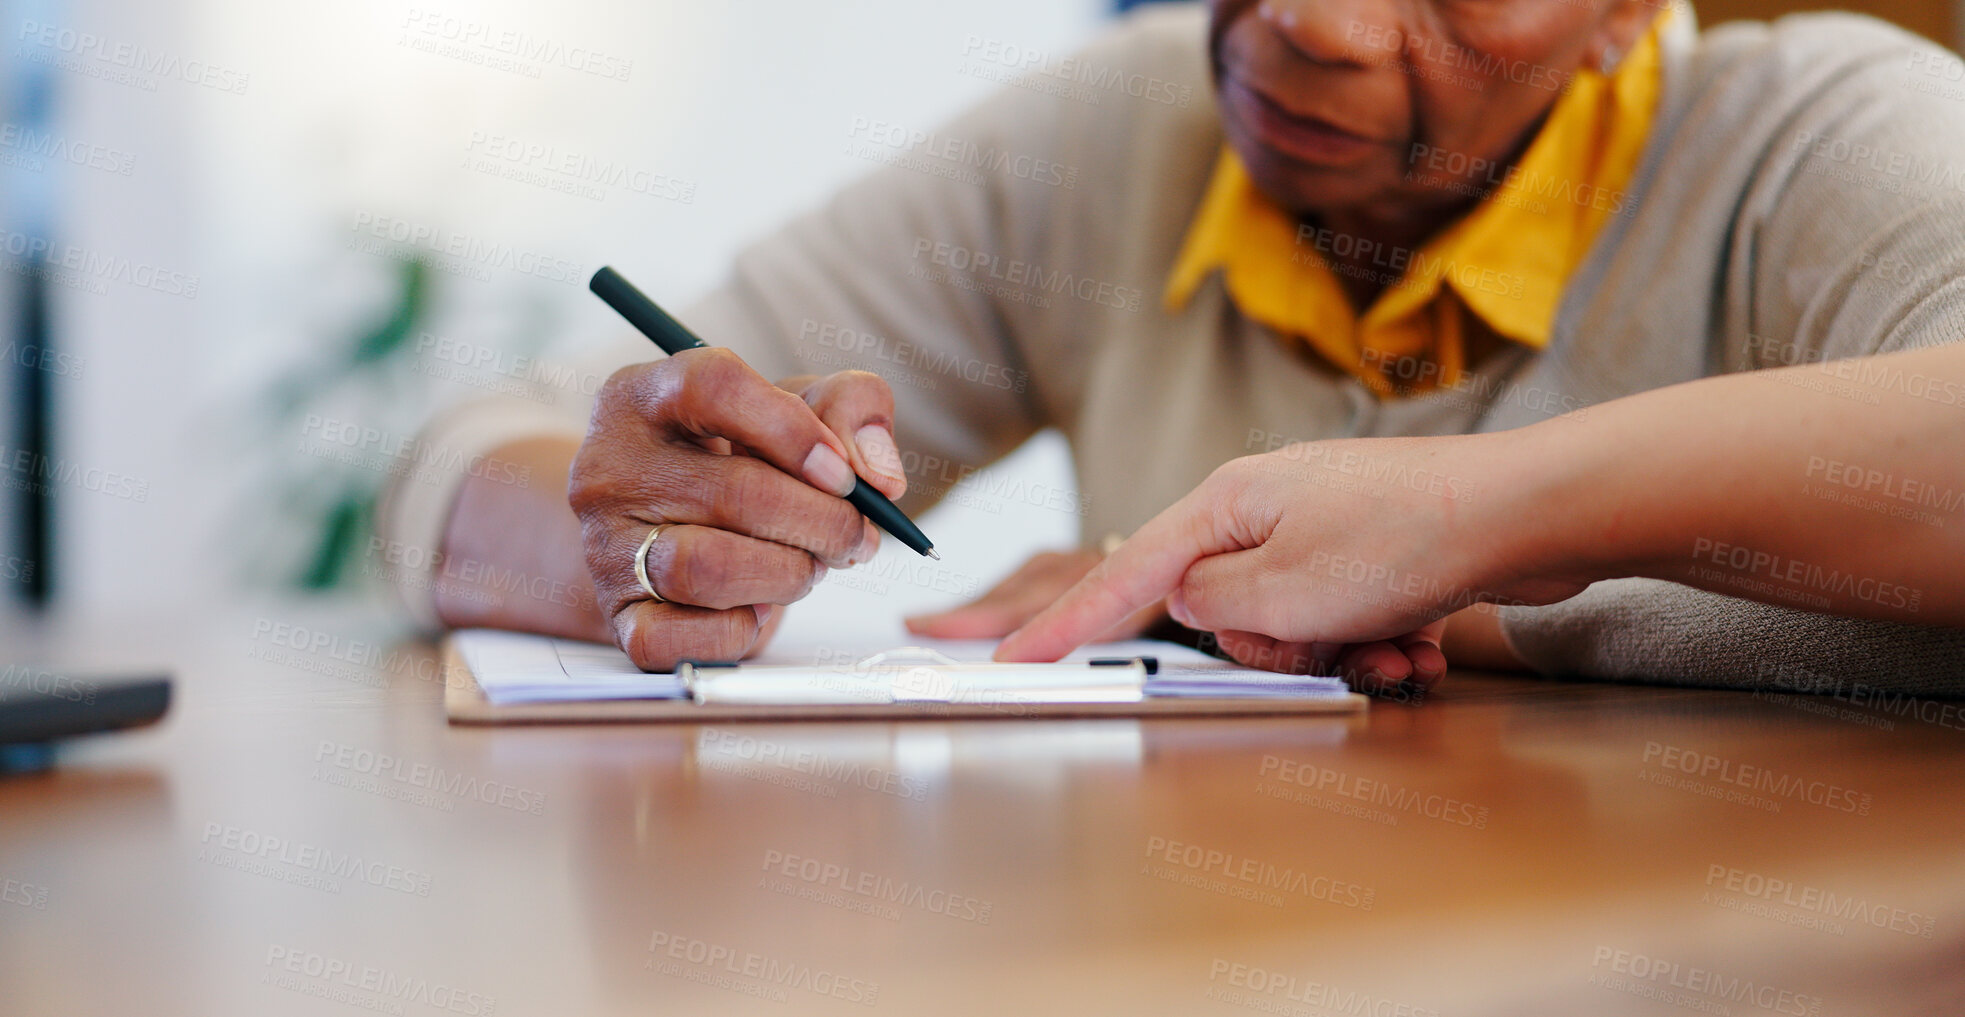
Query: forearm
(1844, 501)
(512, 556)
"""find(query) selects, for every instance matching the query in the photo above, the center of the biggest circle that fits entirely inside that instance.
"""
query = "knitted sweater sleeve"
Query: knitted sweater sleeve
(1846, 244)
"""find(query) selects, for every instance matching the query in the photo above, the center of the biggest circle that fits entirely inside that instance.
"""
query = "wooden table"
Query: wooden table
(306, 835)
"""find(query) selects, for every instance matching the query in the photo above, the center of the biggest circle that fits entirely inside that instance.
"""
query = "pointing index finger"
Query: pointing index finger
(1142, 570)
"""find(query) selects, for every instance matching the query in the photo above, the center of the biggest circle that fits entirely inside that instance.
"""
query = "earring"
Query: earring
(1607, 63)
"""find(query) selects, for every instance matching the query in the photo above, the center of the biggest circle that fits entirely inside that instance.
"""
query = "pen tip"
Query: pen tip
(932, 554)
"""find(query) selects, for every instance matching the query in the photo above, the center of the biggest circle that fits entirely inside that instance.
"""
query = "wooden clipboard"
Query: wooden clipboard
(465, 703)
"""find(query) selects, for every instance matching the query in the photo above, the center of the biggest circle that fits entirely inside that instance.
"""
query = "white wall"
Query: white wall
(310, 118)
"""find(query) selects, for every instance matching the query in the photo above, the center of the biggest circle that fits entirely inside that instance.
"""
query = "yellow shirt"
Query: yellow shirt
(1504, 263)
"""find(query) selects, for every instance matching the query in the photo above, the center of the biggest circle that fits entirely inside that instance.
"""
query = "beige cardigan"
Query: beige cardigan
(1005, 272)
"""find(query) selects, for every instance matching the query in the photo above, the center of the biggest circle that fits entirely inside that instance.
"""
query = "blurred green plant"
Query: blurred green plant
(342, 502)
(315, 513)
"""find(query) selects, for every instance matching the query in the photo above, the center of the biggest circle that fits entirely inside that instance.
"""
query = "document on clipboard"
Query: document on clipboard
(515, 669)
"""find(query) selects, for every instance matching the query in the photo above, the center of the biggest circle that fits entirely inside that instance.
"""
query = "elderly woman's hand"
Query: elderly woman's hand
(749, 476)
(1345, 554)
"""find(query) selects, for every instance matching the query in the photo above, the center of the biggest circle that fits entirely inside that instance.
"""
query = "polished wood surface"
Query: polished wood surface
(306, 835)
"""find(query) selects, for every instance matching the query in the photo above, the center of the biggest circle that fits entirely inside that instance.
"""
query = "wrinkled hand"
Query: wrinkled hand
(1344, 553)
(751, 473)
(1017, 599)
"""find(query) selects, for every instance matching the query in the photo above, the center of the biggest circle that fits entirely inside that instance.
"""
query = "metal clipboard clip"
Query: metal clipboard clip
(917, 674)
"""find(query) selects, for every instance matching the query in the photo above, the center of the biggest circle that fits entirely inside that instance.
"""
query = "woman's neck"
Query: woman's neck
(1379, 243)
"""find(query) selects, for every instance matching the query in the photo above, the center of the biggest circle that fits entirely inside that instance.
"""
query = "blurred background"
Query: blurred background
(233, 230)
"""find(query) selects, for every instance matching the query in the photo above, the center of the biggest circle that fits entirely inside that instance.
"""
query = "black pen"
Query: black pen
(673, 338)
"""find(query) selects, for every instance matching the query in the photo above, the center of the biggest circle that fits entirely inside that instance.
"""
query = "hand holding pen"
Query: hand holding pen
(707, 495)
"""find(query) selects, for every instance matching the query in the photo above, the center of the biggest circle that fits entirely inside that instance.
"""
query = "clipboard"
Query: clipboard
(466, 703)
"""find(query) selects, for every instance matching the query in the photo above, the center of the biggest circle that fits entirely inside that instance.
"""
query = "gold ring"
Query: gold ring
(641, 563)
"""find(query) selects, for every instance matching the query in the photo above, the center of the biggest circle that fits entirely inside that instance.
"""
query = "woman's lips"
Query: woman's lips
(1300, 139)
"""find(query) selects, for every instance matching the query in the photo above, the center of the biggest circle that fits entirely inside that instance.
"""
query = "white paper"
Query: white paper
(516, 668)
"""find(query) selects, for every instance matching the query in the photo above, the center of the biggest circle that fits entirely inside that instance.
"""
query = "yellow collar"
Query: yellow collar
(1506, 262)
